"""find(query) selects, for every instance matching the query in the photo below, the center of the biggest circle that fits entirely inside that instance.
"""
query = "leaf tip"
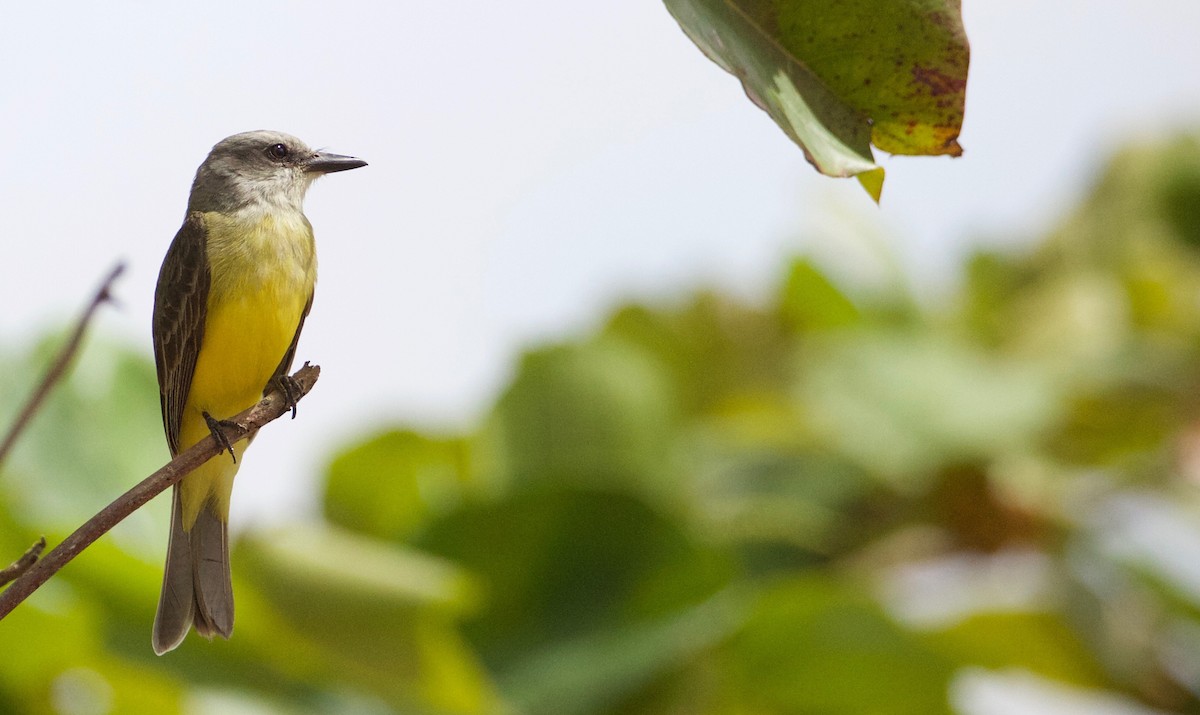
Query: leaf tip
(872, 181)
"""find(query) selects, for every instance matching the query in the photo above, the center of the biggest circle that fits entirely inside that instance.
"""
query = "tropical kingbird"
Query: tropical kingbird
(232, 296)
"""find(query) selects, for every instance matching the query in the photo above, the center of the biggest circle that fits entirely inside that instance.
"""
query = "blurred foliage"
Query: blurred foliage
(846, 500)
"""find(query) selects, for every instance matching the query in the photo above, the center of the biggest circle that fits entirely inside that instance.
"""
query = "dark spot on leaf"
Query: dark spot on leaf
(938, 82)
(943, 20)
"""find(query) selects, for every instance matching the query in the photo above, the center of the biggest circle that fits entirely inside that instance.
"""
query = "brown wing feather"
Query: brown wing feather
(180, 305)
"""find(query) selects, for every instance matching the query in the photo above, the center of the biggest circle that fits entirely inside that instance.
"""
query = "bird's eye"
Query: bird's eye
(277, 151)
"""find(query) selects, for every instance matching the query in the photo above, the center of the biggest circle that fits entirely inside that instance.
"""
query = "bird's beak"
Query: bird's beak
(323, 162)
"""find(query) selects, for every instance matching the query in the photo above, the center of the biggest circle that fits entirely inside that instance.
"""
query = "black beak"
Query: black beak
(325, 163)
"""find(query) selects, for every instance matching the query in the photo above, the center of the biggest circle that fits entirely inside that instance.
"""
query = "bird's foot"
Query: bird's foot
(290, 389)
(216, 427)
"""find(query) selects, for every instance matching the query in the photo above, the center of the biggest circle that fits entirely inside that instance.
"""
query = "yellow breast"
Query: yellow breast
(262, 275)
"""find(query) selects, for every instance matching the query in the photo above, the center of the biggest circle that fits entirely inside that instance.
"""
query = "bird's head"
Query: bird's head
(266, 169)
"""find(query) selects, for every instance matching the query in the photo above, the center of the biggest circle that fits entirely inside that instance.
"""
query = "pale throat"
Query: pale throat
(264, 246)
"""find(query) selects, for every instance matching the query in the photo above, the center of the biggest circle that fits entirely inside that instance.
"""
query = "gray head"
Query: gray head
(267, 169)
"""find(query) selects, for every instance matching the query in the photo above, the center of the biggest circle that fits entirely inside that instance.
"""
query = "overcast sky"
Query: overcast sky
(531, 164)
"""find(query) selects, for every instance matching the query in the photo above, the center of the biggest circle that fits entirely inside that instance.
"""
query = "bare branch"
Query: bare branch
(59, 368)
(244, 425)
(21, 565)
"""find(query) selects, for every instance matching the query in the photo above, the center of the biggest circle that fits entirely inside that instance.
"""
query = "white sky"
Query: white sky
(532, 163)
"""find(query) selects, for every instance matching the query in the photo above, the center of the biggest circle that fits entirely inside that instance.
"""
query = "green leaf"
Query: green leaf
(834, 137)
(1041, 643)
(810, 301)
(357, 610)
(900, 403)
(903, 63)
(1119, 425)
(787, 503)
(715, 350)
(388, 485)
(559, 565)
(872, 183)
(816, 644)
(55, 660)
(595, 414)
(595, 673)
(839, 75)
(338, 573)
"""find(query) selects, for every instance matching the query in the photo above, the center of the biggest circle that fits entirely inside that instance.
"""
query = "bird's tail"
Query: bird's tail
(196, 590)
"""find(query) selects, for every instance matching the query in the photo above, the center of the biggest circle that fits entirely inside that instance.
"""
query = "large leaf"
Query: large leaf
(819, 644)
(715, 350)
(597, 672)
(596, 414)
(1040, 643)
(901, 403)
(839, 75)
(811, 301)
(360, 611)
(389, 484)
(560, 565)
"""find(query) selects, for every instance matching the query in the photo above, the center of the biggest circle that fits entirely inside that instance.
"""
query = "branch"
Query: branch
(21, 565)
(59, 368)
(244, 425)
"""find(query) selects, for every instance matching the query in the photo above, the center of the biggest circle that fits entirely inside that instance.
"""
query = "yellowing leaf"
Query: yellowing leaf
(840, 75)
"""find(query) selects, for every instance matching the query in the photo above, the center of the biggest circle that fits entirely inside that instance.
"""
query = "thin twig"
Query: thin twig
(21, 565)
(59, 368)
(244, 425)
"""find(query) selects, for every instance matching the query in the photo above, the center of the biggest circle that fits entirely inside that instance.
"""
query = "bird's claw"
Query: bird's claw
(216, 427)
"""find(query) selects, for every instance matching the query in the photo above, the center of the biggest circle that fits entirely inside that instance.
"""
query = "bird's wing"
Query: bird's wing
(180, 306)
(285, 365)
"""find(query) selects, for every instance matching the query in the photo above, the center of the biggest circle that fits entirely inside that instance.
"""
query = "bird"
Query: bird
(232, 295)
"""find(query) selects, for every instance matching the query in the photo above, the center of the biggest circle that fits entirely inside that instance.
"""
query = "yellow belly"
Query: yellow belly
(244, 340)
(256, 301)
